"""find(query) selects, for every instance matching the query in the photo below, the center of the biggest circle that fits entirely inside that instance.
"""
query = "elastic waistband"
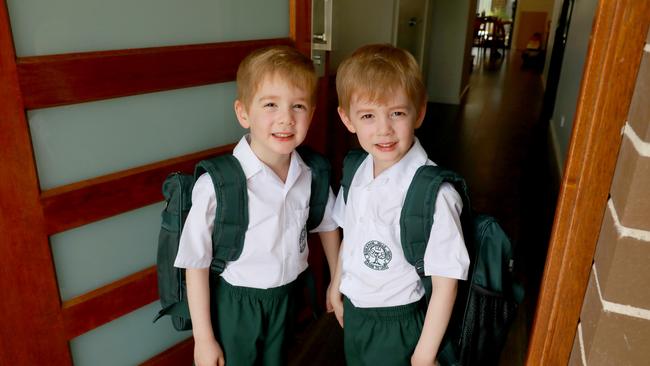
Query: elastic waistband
(258, 293)
(388, 312)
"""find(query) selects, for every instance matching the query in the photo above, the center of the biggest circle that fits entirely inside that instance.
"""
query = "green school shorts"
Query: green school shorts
(381, 336)
(253, 325)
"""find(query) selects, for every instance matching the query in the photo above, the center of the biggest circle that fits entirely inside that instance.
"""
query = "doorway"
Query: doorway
(403, 23)
(412, 18)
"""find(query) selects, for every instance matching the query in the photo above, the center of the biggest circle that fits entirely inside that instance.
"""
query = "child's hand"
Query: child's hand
(422, 358)
(208, 353)
(328, 303)
(336, 300)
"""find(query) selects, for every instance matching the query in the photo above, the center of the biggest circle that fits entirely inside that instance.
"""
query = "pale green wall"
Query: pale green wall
(95, 255)
(82, 141)
(129, 340)
(46, 27)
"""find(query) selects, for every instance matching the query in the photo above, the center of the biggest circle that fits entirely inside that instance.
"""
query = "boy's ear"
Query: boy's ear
(422, 112)
(242, 115)
(346, 120)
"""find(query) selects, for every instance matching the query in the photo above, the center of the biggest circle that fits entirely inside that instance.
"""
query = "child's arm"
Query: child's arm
(443, 295)
(331, 241)
(206, 348)
(334, 294)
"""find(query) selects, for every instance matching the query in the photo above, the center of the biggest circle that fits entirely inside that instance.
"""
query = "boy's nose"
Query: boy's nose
(384, 127)
(287, 119)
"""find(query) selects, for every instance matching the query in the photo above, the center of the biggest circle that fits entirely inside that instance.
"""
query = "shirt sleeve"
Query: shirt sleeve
(195, 247)
(446, 254)
(327, 223)
(338, 213)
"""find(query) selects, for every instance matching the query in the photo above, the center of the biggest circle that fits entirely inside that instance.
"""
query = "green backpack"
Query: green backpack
(230, 224)
(486, 304)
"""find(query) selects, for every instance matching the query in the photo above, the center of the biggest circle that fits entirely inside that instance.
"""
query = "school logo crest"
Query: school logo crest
(302, 241)
(377, 255)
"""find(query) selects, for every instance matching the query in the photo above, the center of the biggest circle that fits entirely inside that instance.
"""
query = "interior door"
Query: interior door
(99, 101)
(411, 27)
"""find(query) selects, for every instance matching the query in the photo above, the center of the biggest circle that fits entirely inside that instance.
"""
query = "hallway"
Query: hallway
(497, 143)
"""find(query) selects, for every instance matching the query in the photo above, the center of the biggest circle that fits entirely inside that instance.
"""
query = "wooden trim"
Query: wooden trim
(317, 136)
(619, 32)
(84, 202)
(32, 327)
(54, 80)
(180, 354)
(293, 19)
(300, 25)
(110, 302)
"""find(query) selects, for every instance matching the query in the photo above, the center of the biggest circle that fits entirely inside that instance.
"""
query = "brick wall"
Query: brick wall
(614, 326)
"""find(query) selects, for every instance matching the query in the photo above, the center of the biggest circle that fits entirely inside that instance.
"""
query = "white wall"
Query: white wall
(571, 73)
(359, 22)
(447, 50)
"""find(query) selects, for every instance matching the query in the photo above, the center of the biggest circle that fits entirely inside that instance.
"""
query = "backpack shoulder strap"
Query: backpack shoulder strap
(416, 218)
(320, 184)
(351, 163)
(231, 219)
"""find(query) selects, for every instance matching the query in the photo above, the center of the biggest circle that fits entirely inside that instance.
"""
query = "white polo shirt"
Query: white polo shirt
(375, 271)
(275, 247)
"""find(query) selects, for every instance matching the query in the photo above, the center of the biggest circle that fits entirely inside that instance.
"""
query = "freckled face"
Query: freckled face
(385, 129)
(278, 115)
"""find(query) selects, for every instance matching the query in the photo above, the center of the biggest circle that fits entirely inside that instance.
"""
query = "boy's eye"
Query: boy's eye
(269, 105)
(300, 106)
(366, 116)
(398, 114)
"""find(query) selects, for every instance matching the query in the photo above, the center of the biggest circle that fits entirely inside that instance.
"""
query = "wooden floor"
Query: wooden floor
(495, 140)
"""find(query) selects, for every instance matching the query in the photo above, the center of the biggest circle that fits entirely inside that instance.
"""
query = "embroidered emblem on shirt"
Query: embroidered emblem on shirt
(302, 242)
(377, 255)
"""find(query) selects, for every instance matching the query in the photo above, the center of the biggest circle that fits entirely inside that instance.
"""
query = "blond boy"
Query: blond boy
(377, 295)
(243, 318)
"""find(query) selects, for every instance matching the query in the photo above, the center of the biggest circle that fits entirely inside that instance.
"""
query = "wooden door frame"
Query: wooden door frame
(32, 332)
(619, 33)
(37, 325)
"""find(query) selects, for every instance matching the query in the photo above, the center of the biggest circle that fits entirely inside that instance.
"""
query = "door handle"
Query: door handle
(322, 38)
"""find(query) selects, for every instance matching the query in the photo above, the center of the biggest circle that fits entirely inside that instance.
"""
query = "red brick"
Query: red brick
(629, 279)
(576, 358)
(620, 340)
(590, 314)
(621, 263)
(606, 246)
(629, 189)
(639, 116)
(610, 338)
